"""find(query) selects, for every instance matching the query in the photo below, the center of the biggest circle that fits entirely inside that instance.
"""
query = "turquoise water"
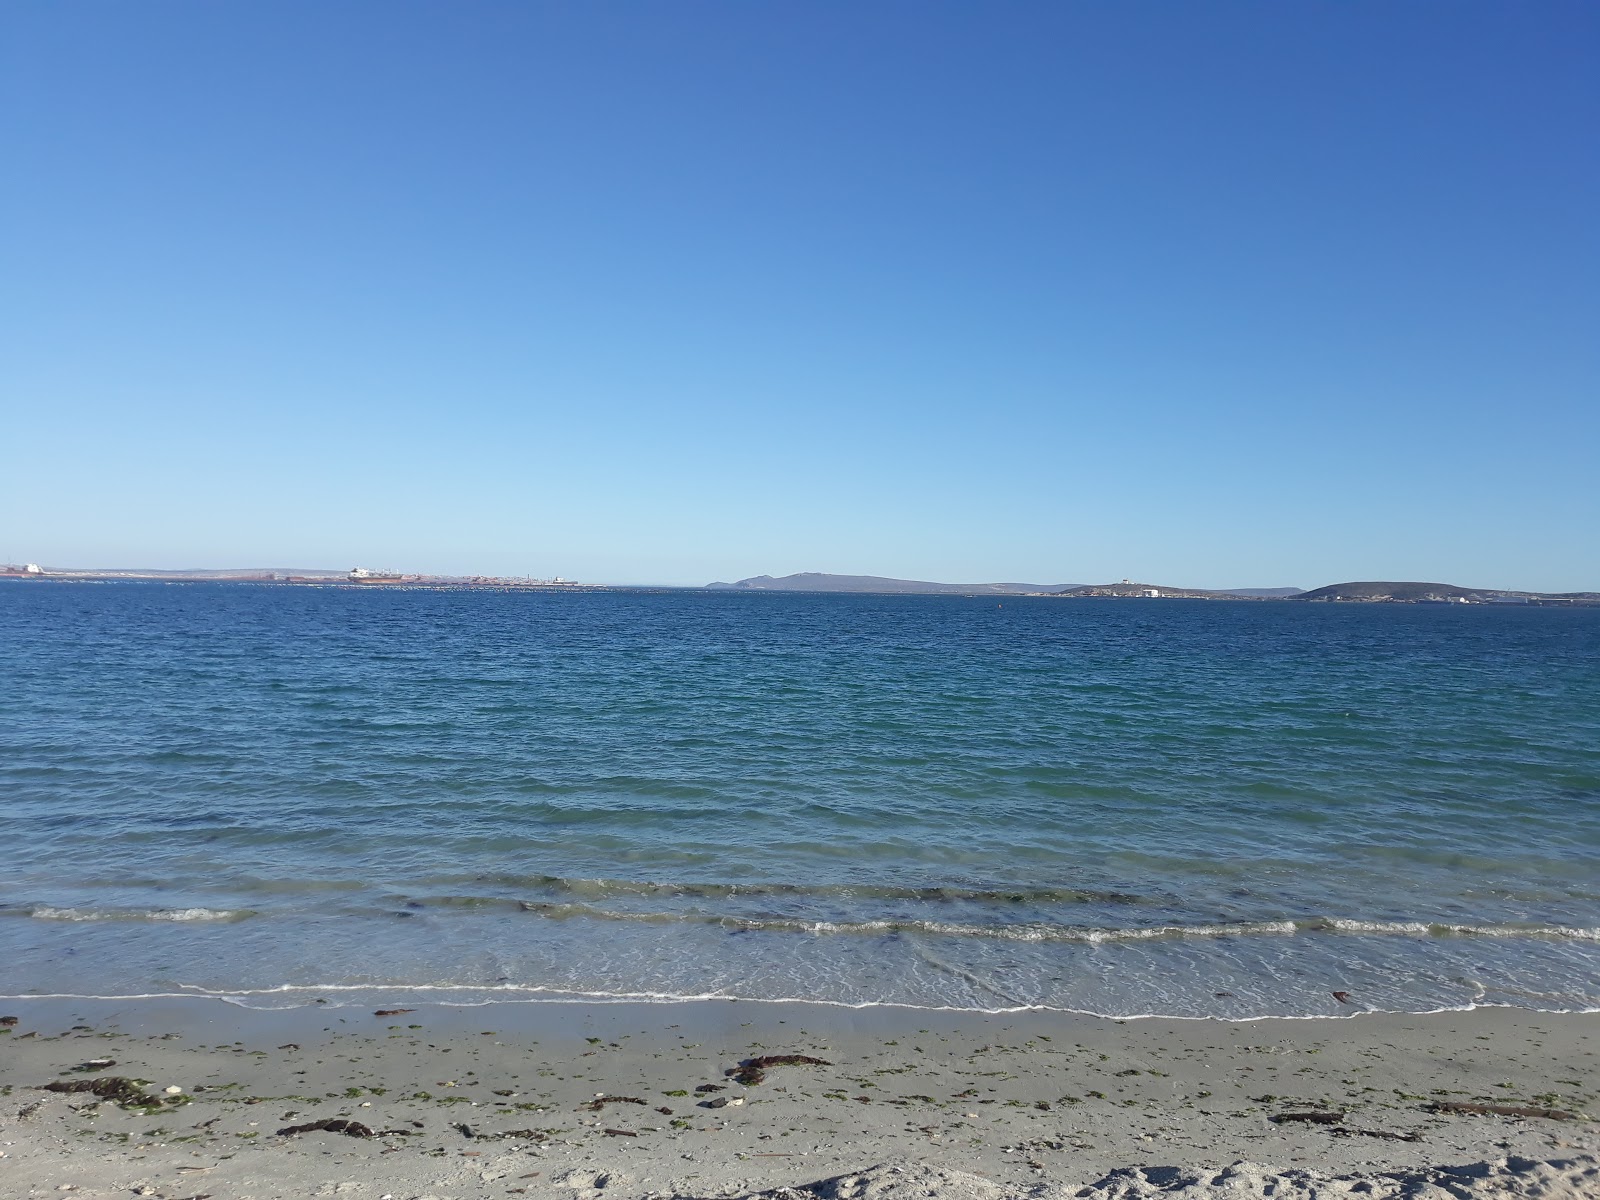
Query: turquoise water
(1124, 807)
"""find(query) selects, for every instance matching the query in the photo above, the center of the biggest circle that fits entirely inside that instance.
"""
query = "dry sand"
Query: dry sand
(501, 1101)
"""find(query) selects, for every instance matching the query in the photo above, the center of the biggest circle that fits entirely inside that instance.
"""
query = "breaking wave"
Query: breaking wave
(604, 888)
(47, 913)
(1036, 931)
(1063, 933)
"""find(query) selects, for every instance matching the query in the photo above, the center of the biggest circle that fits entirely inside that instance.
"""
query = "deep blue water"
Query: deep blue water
(1121, 807)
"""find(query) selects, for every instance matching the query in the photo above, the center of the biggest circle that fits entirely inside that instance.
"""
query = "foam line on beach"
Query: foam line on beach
(537, 994)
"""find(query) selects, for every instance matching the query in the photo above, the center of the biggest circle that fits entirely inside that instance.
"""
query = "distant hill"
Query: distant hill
(816, 581)
(1394, 591)
(1414, 593)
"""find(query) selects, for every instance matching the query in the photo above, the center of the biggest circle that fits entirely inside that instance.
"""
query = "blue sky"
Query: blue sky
(1217, 294)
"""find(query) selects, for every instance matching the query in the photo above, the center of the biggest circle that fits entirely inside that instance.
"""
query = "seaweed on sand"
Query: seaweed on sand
(753, 1070)
(1310, 1118)
(1387, 1134)
(599, 1102)
(120, 1090)
(332, 1125)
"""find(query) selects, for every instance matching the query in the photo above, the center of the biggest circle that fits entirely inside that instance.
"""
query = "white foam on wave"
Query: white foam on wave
(1015, 933)
(1089, 935)
(1034, 932)
(537, 994)
(1063, 933)
(1442, 928)
(47, 913)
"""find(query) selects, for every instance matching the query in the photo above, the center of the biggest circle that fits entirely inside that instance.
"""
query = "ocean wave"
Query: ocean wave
(47, 913)
(880, 927)
(1060, 933)
(1450, 929)
(604, 888)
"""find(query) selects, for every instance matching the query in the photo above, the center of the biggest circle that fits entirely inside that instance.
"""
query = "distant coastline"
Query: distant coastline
(818, 583)
(1128, 589)
(357, 577)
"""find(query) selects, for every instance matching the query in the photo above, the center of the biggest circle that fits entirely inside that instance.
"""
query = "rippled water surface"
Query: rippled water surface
(1125, 807)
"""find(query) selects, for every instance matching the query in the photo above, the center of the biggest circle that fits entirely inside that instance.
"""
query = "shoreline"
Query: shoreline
(514, 994)
(1304, 968)
(505, 1093)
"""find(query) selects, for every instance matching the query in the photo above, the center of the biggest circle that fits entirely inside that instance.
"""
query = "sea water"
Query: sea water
(290, 795)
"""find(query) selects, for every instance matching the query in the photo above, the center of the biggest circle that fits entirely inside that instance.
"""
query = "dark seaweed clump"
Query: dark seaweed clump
(332, 1125)
(1310, 1118)
(122, 1091)
(753, 1070)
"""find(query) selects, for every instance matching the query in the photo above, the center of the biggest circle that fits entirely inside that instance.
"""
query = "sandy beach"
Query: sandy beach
(574, 1101)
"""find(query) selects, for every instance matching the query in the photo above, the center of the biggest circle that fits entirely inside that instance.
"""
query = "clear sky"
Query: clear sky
(1216, 293)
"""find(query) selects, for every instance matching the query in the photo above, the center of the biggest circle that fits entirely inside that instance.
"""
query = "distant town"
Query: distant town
(355, 577)
(816, 582)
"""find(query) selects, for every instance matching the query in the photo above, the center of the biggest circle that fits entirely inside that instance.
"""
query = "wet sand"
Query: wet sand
(576, 1101)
